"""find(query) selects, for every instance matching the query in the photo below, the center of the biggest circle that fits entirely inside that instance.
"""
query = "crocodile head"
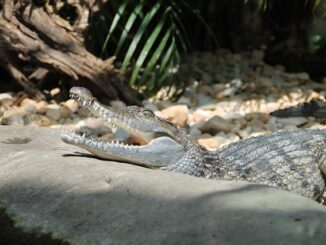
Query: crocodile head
(154, 141)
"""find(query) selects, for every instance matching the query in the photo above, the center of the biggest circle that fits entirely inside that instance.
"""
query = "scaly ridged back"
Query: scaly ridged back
(290, 160)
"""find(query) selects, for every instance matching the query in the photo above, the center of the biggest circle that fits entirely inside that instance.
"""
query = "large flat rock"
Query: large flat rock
(48, 186)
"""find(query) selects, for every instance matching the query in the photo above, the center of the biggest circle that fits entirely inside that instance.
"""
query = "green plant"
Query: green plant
(317, 30)
(148, 39)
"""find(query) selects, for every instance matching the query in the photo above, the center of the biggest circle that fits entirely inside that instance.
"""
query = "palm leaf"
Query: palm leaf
(130, 22)
(149, 44)
(156, 56)
(151, 34)
(140, 32)
(114, 24)
(163, 66)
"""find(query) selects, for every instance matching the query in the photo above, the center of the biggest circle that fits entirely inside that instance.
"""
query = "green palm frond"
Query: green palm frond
(129, 24)
(141, 32)
(150, 37)
(114, 24)
(148, 46)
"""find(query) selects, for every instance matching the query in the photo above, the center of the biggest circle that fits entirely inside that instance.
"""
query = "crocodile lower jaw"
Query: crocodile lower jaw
(159, 152)
(71, 137)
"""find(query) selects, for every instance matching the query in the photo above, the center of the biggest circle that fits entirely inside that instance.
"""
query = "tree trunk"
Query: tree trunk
(37, 43)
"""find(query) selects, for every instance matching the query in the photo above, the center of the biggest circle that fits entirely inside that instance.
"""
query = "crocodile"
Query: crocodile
(314, 108)
(293, 160)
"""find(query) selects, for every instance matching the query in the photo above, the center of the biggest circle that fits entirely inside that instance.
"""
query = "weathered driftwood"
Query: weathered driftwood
(36, 42)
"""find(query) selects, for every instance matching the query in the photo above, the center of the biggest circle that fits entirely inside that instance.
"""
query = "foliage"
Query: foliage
(317, 33)
(149, 36)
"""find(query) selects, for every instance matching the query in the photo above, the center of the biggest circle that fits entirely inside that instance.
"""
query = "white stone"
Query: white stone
(65, 112)
(53, 111)
(6, 99)
(41, 106)
(28, 105)
(117, 103)
(71, 104)
(209, 143)
(54, 92)
(177, 114)
(228, 139)
(199, 115)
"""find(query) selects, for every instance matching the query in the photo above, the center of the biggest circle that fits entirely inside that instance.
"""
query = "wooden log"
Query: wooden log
(36, 41)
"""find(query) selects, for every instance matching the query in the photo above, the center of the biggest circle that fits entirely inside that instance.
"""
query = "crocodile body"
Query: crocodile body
(290, 160)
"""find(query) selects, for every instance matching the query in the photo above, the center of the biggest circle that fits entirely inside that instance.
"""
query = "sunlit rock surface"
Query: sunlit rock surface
(47, 186)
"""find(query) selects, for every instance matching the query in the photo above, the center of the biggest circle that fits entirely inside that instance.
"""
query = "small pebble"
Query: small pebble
(117, 103)
(41, 107)
(54, 92)
(72, 105)
(177, 114)
(53, 111)
(5, 99)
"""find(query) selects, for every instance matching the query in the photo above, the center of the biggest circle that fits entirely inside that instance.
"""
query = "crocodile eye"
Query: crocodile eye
(148, 113)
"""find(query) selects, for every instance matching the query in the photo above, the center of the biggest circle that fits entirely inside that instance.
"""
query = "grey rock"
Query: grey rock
(294, 121)
(13, 119)
(203, 100)
(195, 132)
(49, 187)
(150, 106)
(117, 103)
(186, 100)
(303, 76)
(162, 104)
(215, 125)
